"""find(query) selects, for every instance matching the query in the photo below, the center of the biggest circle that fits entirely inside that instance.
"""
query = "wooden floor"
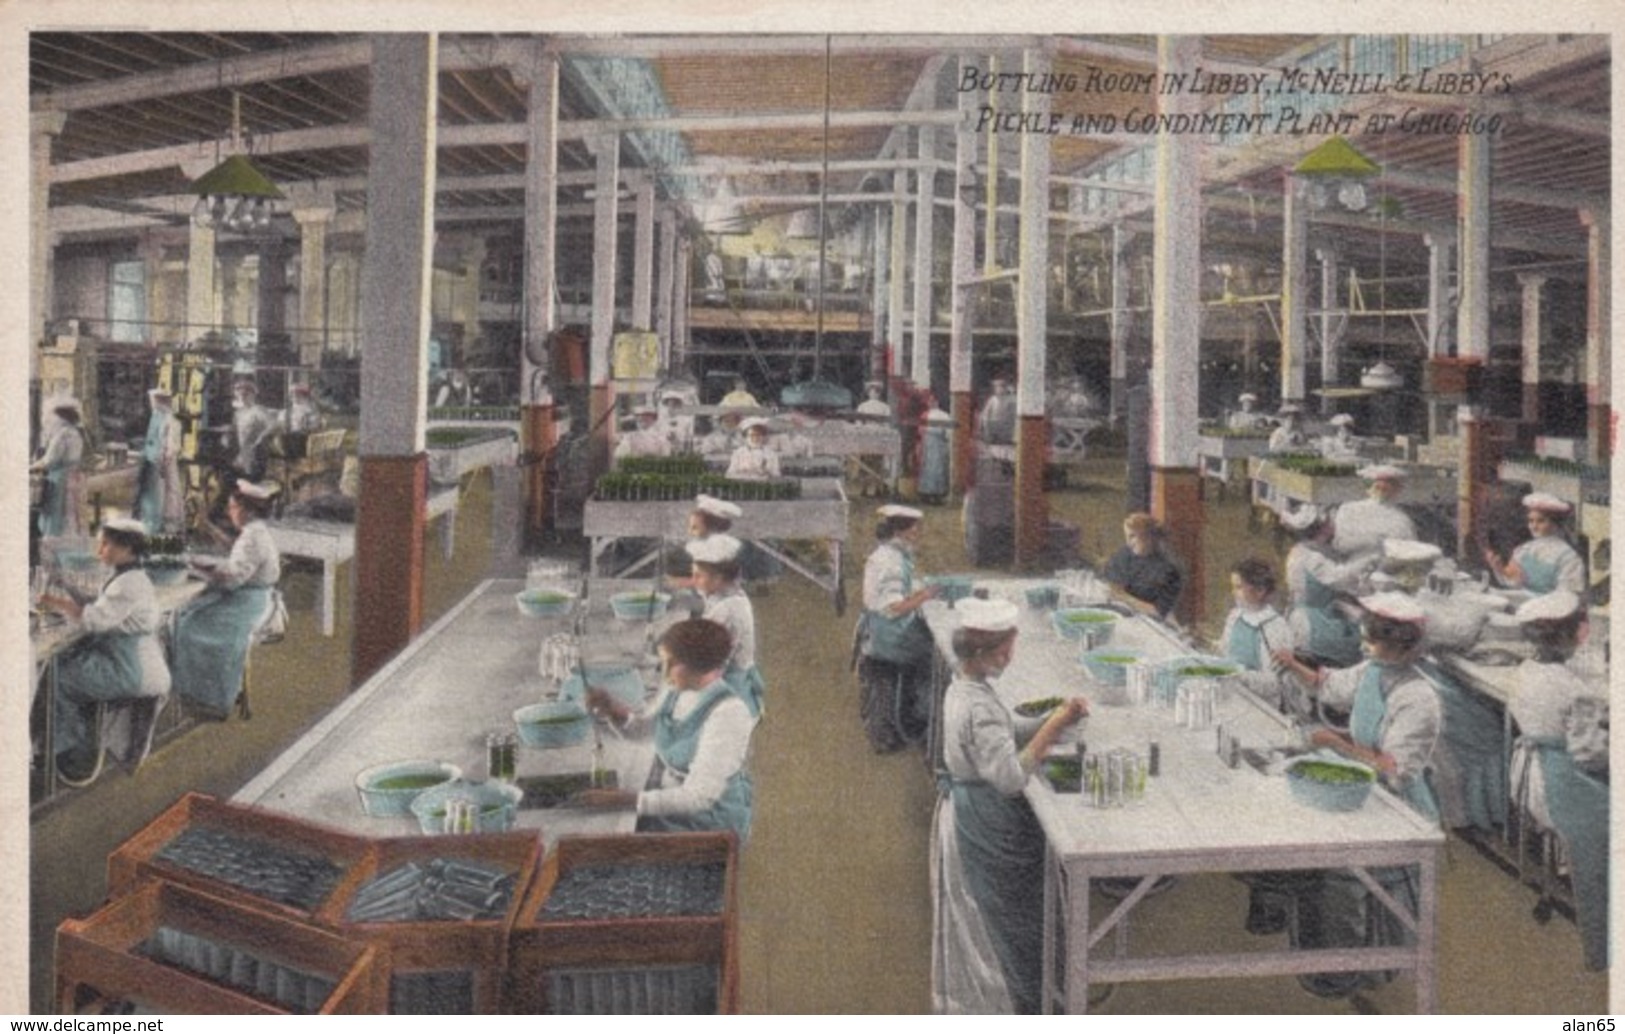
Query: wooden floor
(834, 896)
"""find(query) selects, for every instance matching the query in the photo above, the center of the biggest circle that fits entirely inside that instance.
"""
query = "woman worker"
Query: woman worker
(893, 644)
(159, 501)
(1141, 572)
(1322, 625)
(63, 451)
(1361, 526)
(716, 576)
(710, 516)
(754, 460)
(117, 659)
(1254, 630)
(1394, 726)
(987, 851)
(212, 632)
(1547, 561)
(701, 732)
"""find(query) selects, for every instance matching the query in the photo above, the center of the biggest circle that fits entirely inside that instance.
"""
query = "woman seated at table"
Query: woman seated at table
(987, 851)
(1141, 573)
(754, 460)
(716, 577)
(1547, 561)
(894, 648)
(709, 517)
(212, 633)
(1322, 590)
(1394, 725)
(701, 731)
(1254, 630)
(117, 659)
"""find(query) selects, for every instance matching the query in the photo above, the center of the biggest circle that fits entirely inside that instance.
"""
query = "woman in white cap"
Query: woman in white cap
(117, 659)
(1288, 435)
(987, 851)
(716, 578)
(253, 426)
(701, 730)
(1395, 719)
(1562, 723)
(62, 453)
(724, 436)
(647, 439)
(1322, 589)
(874, 405)
(1547, 561)
(754, 460)
(894, 645)
(212, 632)
(933, 483)
(159, 501)
(710, 516)
(1247, 417)
(677, 425)
(1340, 444)
(1361, 527)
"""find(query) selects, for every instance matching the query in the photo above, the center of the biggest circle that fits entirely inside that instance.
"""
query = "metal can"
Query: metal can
(1153, 759)
(1116, 779)
(1232, 752)
(1094, 781)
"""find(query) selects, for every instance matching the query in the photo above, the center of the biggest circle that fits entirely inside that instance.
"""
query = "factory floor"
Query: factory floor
(835, 907)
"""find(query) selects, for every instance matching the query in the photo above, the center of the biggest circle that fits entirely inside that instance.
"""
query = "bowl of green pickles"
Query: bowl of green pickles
(1093, 625)
(1029, 715)
(387, 790)
(1330, 784)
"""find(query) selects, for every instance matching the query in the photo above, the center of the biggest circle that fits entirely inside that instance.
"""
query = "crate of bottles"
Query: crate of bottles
(261, 858)
(632, 924)
(442, 906)
(167, 948)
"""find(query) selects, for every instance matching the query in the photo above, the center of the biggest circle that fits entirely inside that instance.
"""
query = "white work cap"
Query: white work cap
(1341, 420)
(873, 384)
(65, 402)
(1552, 606)
(1303, 518)
(755, 422)
(937, 416)
(713, 549)
(1410, 551)
(994, 615)
(1395, 606)
(253, 491)
(128, 525)
(158, 392)
(1247, 396)
(1382, 472)
(1291, 409)
(717, 507)
(1545, 502)
(894, 510)
(671, 395)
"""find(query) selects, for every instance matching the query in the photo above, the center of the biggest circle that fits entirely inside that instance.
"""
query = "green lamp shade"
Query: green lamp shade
(816, 394)
(235, 177)
(1336, 157)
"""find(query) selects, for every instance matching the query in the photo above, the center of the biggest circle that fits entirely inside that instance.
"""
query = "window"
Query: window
(127, 301)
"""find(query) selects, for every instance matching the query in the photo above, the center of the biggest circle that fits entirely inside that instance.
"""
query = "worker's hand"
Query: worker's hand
(1324, 737)
(1074, 709)
(600, 704)
(1283, 655)
(65, 605)
(1492, 558)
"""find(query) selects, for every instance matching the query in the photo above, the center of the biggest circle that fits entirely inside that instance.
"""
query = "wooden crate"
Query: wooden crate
(540, 948)
(474, 952)
(136, 860)
(99, 959)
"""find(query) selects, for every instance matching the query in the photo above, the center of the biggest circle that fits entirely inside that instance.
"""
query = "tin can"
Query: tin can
(1094, 781)
(1232, 751)
(1134, 778)
(1116, 779)
(1153, 759)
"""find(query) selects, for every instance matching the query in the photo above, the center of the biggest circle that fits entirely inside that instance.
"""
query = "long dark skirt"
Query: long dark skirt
(1001, 847)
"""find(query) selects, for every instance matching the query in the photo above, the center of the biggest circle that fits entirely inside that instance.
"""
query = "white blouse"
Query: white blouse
(1363, 525)
(1409, 730)
(254, 559)
(750, 463)
(979, 737)
(732, 610)
(723, 749)
(128, 606)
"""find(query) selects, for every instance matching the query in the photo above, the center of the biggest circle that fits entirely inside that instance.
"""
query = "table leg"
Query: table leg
(1051, 896)
(448, 533)
(1427, 929)
(1077, 941)
(329, 596)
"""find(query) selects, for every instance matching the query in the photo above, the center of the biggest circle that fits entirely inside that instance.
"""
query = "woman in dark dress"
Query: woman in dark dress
(1141, 573)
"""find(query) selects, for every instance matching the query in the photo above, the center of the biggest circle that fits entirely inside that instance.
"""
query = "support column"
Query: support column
(1176, 496)
(924, 226)
(684, 292)
(537, 412)
(1032, 322)
(643, 255)
(1331, 329)
(151, 253)
(43, 127)
(666, 285)
(1473, 431)
(961, 319)
(880, 225)
(1441, 307)
(473, 267)
(229, 276)
(1599, 313)
(1533, 286)
(199, 281)
(312, 338)
(1473, 260)
(1294, 289)
(606, 152)
(396, 282)
(899, 272)
(1122, 320)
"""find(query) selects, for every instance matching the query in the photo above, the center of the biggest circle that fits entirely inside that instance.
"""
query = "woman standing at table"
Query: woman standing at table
(212, 632)
(716, 577)
(894, 648)
(701, 732)
(159, 500)
(1395, 719)
(118, 659)
(1547, 561)
(987, 850)
(64, 451)
(1141, 573)
(1317, 584)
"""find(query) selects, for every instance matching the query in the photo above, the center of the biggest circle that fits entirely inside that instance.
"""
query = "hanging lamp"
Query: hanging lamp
(1337, 170)
(235, 195)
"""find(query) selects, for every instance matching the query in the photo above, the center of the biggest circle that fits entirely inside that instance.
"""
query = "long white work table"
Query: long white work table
(459, 680)
(1198, 815)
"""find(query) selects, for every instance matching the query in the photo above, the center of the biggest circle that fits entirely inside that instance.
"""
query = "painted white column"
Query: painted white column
(1473, 259)
(666, 284)
(1599, 316)
(43, 127)
(1032, 322)
(680, 304)
(397, 267)
(1441, 260)
(606, 152)
(541, 213)
(880, 229)
(1294, 289)
(1122, 320)
(898, 265)
(924, 231)
(643, 254)
(964, 254)
(1331, 328)
(1176, 306)
(199, 281)
(1533, 285)
(473, 266)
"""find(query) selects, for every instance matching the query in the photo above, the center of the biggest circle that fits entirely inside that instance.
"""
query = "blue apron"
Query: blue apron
(1539, 576)
(1001, 848)
(934, 462)
(53, 518)
(901, 640)
(1365, 721)
(1578, 805)
(1246, 645)
(1332, 637)
(149, 491)
(747, 682)
(1474, 737)
(211, 645)
(675, 744)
